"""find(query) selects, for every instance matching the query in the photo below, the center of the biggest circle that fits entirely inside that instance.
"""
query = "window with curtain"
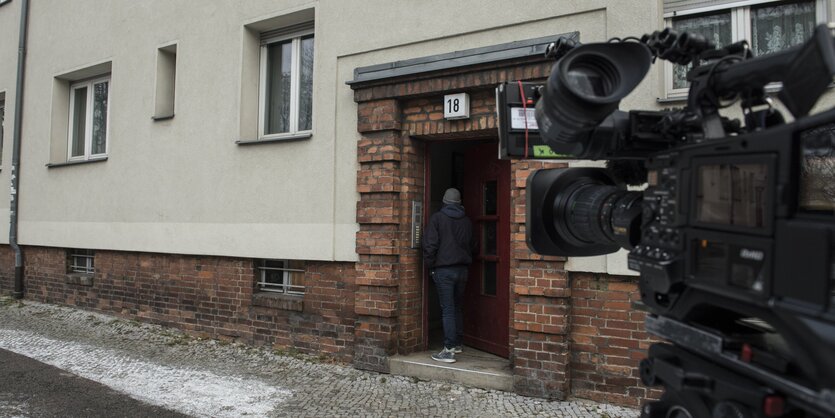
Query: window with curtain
(769, 26)
(780, 26)
(716, 27)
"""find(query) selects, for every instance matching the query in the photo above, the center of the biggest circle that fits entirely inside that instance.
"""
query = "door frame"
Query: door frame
(427, 196)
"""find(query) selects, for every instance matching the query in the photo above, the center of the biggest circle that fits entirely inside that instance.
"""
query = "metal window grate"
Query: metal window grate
(82, 261)
(277, 276)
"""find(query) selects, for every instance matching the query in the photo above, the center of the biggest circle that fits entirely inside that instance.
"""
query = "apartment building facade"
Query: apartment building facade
(256, 171)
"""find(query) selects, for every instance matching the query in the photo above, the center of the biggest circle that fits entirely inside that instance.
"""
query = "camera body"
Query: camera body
(747, 216)
(743, 228)
(734, 231)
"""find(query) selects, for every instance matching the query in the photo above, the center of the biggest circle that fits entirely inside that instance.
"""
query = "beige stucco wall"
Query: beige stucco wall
(9, 19)
(183, 185)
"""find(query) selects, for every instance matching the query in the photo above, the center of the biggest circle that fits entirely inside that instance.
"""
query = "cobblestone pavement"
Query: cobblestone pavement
(197, 377)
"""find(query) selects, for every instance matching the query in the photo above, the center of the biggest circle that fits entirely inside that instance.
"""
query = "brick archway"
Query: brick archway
(395, 117)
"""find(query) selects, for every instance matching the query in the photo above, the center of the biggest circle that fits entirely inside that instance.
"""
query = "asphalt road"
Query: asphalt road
(29, 388)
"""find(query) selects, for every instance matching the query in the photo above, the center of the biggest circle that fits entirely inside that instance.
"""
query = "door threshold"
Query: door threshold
(473, 368)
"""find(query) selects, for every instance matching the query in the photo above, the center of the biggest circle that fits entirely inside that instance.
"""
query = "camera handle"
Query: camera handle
(805, 71)
(760, 113)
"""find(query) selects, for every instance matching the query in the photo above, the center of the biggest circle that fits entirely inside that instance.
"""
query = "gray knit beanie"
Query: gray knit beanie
(452, 196)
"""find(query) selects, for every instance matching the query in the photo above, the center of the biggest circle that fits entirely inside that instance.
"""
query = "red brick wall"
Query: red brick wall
(6, 270)
(424, 117)
(607, 339)
(540, 303)
(213, 297)
(410, 319)
(391, 176)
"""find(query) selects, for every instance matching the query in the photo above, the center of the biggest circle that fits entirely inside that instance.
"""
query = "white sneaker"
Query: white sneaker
(458, 349)
(445, 356)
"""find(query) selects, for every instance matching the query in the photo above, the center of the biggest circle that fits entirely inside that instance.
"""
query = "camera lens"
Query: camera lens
(604, 215)
(585, 87)
(592, 76)
(580, 212)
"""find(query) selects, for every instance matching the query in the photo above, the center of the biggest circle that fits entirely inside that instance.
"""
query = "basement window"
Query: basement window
(281, 276)
(81, 261)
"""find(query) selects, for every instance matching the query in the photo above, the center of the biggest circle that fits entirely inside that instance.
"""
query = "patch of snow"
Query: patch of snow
(190, 391)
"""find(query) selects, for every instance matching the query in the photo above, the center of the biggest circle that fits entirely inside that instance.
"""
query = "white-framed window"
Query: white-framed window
(768, 25)
(89, 119)
(81, 261)
(286, 84)
(281, 276)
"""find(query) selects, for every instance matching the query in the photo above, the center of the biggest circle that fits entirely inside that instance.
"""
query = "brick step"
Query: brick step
(474, 368)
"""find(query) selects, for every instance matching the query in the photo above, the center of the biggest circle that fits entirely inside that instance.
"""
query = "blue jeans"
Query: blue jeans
(450, 282)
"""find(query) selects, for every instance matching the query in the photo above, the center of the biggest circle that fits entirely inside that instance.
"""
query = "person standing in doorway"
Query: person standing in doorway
(447, 251)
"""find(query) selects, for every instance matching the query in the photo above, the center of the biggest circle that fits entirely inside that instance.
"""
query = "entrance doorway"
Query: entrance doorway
(473, 168)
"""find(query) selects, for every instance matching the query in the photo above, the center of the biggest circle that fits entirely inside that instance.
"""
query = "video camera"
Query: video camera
(734, 233)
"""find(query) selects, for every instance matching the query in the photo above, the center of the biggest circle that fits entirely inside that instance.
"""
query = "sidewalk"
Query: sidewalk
(166, 368)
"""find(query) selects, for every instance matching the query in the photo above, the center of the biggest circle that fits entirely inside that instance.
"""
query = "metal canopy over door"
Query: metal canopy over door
(486, 194)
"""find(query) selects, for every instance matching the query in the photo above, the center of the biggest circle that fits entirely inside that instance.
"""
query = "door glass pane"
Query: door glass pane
(715, 27)
(488, 234)
(488, 281)
(458, 174)
(79, 121)
(306, 85)
(277, 109)
(779, 27)
(100, 92)
(490, 198)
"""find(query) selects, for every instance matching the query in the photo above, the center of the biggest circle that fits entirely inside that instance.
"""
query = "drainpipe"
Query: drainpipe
(18, 121)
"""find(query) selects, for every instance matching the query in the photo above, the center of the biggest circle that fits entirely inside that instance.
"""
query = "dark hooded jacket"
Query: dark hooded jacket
(448, 239)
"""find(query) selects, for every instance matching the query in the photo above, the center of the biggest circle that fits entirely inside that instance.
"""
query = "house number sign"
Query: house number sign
(457, 106)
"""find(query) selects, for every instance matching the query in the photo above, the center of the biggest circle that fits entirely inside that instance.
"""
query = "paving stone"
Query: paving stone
(277, 384)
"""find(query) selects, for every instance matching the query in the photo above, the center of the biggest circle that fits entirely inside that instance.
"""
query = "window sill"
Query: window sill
(161, 118)
(682, 98)
(278, 301)
(270, 140)
(68, 163)
(79, 279)
(673, 99)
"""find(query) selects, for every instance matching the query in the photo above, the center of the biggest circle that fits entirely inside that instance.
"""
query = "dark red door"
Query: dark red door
(486, 197)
